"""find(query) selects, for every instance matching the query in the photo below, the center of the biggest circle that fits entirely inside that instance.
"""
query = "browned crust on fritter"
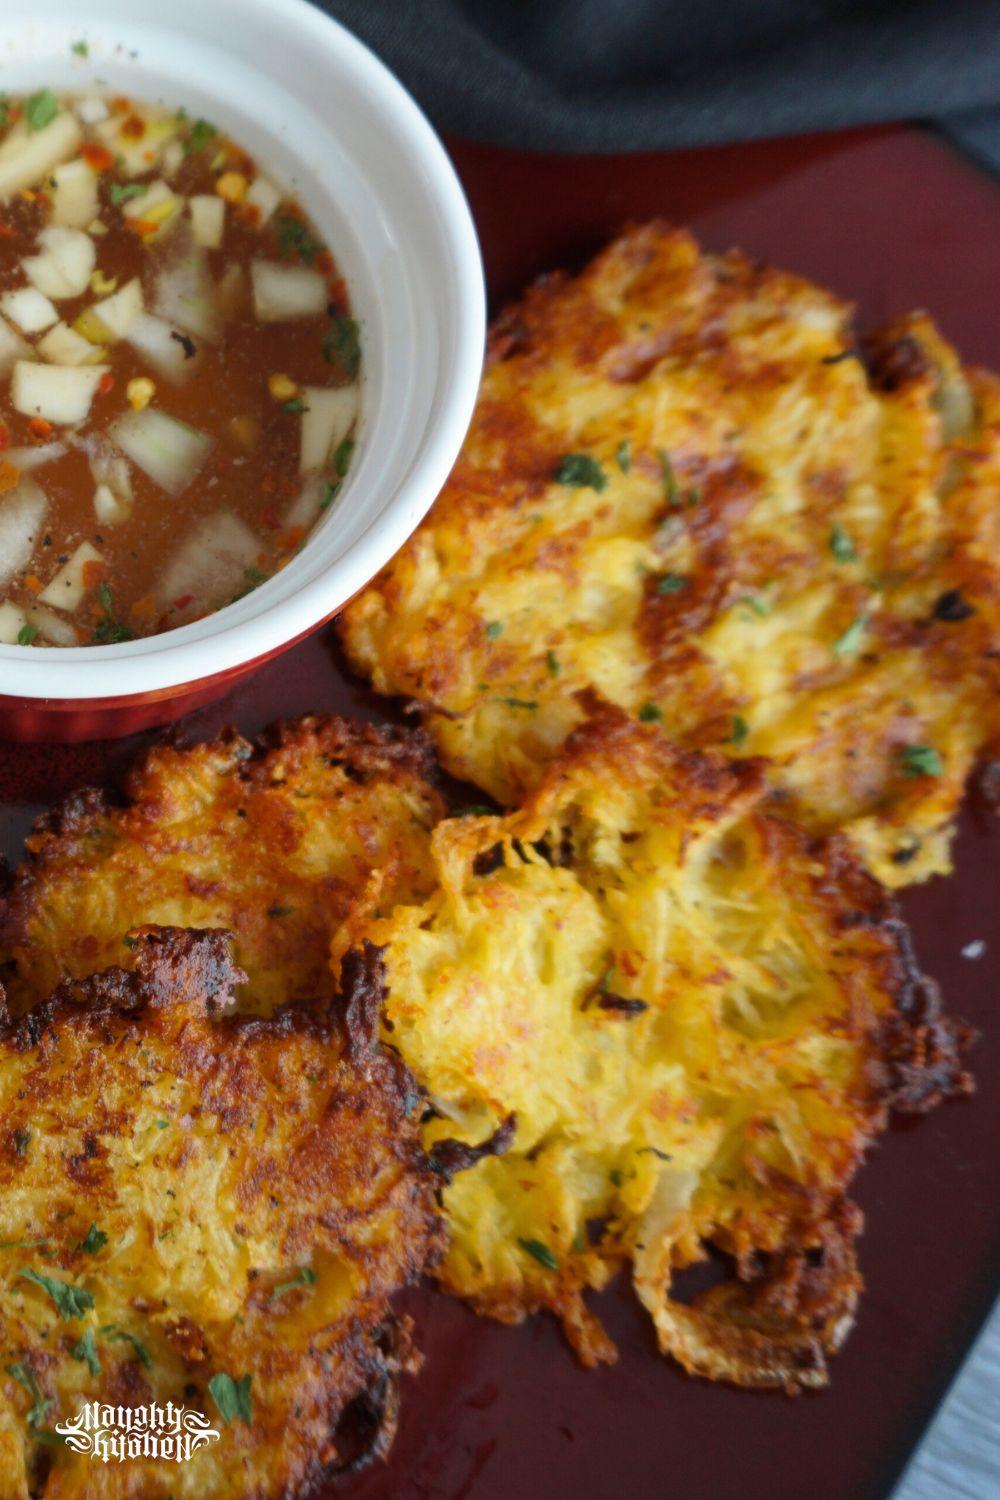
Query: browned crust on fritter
(351, 1153)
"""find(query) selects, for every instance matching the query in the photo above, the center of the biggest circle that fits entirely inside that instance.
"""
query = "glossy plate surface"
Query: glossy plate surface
(896, 221)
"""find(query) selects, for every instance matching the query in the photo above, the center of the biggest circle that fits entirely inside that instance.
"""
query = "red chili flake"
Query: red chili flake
(251, 213)
(98, 157)
(324, 262)
(39, 429)
(106, 384)
(8, 233)
(271, 519)
(183, 601)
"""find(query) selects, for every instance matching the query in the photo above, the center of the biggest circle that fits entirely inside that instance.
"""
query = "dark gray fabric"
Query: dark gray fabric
(606, 75)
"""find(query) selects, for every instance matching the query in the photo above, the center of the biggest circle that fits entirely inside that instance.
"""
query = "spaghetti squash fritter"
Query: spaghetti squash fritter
(205, 1209)
(698, 1017)
(687, 486)
(274, 842)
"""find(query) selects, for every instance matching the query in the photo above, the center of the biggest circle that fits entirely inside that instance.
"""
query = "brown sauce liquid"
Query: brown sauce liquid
(255, 476)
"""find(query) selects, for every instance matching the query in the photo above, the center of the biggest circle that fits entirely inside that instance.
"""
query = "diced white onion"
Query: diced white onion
(22, 512)
(74, 194)
(67, 588)
(281, 293)
(208, 219)
(51, 628)
(326, 421)
(173, 158)
(55, 392)
(305, 507)
(107, 466)
(109, 508)
(117, 313)
(34, 457)
(185, 296)
(62, 345)
(264, 197)
(164, 348)
(29, 309)
(210, 563)
(170, 452)
(231, 290)
(12, 622)
(12, 346)
(92, 109)
(64, 267)
(26, 159)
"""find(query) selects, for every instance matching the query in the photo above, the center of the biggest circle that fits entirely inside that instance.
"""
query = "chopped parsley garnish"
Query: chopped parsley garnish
(654, 1151)
(841, 545)
(25, 1375)
(119, 1336)
(541, 1253)
(342, 344)
(848, 643)
(670, 583)
(304, 1276)
(921, 760)
(476, 810)
(494, 629)
(330, 493)
(759, 606)
(616, 1177)
(94, 1241)
(526, 703)
(199, 136)
(108, 631)
(232, 1397)
(22, 1139)
(41, 109)
(668, 477)
(4, 111)
(26, 635)
(293, 406)
(294, 235)
(71, 1301)
(739, 731)
(552, 664)
(161, 1124)
(81, 49)
(342, 456)
(580, 471)
(254, 577)
(121, 192)
(623, 455)
(650, 714)
(85, 1349)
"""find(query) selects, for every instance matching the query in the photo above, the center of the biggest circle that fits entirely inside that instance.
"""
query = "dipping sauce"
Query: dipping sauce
(178, 371)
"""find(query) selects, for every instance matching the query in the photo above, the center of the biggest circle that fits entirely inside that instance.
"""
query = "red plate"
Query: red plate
(895, 220)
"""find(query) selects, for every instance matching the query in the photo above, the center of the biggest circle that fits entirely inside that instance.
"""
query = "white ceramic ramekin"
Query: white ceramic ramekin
(328, 120)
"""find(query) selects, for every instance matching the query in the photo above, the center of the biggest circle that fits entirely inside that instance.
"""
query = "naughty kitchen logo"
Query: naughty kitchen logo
(117, 1433)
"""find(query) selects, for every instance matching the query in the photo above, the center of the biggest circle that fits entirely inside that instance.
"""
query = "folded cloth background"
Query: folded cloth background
(589, 75)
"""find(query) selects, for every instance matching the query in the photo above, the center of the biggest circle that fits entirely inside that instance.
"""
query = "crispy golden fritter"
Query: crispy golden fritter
(687, 487)
(274, 842)
(698, 1018)
(187, 1196)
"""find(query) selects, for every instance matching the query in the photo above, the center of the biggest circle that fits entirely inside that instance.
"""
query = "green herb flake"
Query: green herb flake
(494, 629)
(121, 192)
(161, 1124)
(85, 1349)
(294, 236)
(580, 471)
(26, 635)
(921, 760)
(199, 136)
(671, 583)
(294, 406)
(304, 1276)
(342, 456)
(623, 455)
(841, 545)
(541, 1253)
(4, 111)
(616, 1177)
(552, 664)
(329, 495)
(760, 607)
(528, 704)
(232, 1397)
(668, 478)
(94, 1240)
(81, 49)
(22, 1139)
(476, 810)
(739, 731)
(25, 1375)
(128, 940)
(848, 643)
(41, 109)
(650, 714)
(254, 577)
(71, 1301)
(115, 1335)
(342, 344)
(578, 1246)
